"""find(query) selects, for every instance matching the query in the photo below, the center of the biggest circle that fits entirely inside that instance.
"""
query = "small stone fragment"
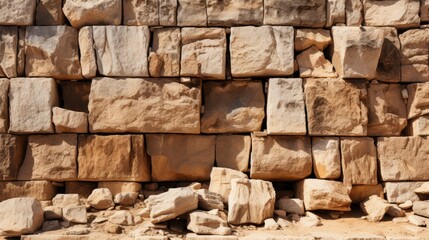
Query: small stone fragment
(126, 198)
(291, 205)
(75, 214)
(101, 198)
(204, 223)
(122, 217)
(406, 205)
(270, 224)
(417, 220)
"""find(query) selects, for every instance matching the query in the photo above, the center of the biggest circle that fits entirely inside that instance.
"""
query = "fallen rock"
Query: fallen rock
(9, 58)
(220, 181)
(414, 56)
(12, 152)
(421, 208)
(395, 211)
(360, 193)
(233, 151)
(126, 198)
(83, 13)
(166, 47)
(310, 220)
(400, 192)
(399, 14)
(87, 53)
(295, 13)
(307, 38)
(19, 13)
(141, 13)
(20, 216)
(406, 205)
(51, 225)
(418, 94)
(122, 217)
(75, 214)
(423, 189)
(291, 205)
(375, 207)
(67, 121)
(283, 223)
(209, 200)
(52, 213)
(326, 156)
(204, 223)
(40, 190)
(312, 63)
(417, 220)
(101, 198)
(233, 13)
(49, 12)
(354, 10)
(65, 200)
(119, 187)
(191, 13)
(270, 224)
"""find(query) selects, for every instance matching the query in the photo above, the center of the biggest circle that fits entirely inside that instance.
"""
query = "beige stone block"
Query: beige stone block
(191, 13)
(236, 12)
(308, 37)
(8, 51)
(354, 12)
(87, 53)
(40, 190)
(414, 60)
(98, 12)
(164, 60)
(67, 121)
(418, 99)
(335, 12)
(395, 13)
(220, 181)
(12, 152)
(326, 157)
(141, 12)
(311, 13)
(233, 151)
(18, 12)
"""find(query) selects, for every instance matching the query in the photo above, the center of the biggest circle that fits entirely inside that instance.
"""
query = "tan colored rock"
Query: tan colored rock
(354, 12)
(112, 158)
(122, 217)
(40, 190)
(423, 189)
(418, 126)
(101, 198)
(285, 107)
(389, 63)
(4, 105)
(291, 205)
(20, 216)
(31, 100)
(233, 13)
(181, 157)
(395, 13)
(166, 47)
(312, 63)
(424, 10)
(75, 214)
(209, 200)
(421, 208)
(360, 193)
(87, 52)
(307, 37)
(191, 13)
(273, 156)
(12, 152)
(414, 60)
(84, 189)
(76, 95)
(138, 12)
(19, 12)
(395, 211)
(418, 94)
(118, 187)
(65, 200)
(49, 12)
(144, 105)
(126, 198)
(310, 13)
(98, 12)
(69, 121)
(52, 51)
(203, 53)
(348, 98)
(220, 181)
(50, 157)
(236, 106)
(8, 51)
(321, 194)
(375, 207)
(400, 192)
(326, 157)
(250, 201)
(204, 223)
(335, 12)
(233, 151)
(272, 45)
(167, 12)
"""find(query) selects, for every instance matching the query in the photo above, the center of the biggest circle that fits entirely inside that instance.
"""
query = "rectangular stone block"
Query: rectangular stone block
(141, 12)
(418, 126)
(418, 100)
(233, 151)
(75, 95)
(30, 104)
(181, 157)
(310, 13)
(395, 13)
(326, 157)
(164, 60)
(41, 190)
(235, 12)
(191, 13)
(87, 13)
(87, 52)
(17, 12)
(168, 12)
(354, 12)
(272, 158)
(49, 13)
(67, 121)
(335, 12)
(12, 151)
(113, 158)
(389, 63)
(285, 107)
(360, 193)
(414, 60)
(424, 10)
(4, 105)
(8, 51)
(400, 192)
(144, 105)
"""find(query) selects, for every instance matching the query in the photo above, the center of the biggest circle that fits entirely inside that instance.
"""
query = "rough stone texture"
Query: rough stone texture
(387, 114)
(220, 181)
(361, 192)
(118, 187)
(164, 60)
(101, 198)
(67, 121)
(181, 157)
(421, 208)
(112, 158)
(403, 158)
(76, 95)
(97, 12)
(167, 12)
(122, 217)
(84, 189)
(307, 37)
(20, 12)
(236, 106)
(52, 212)
(291, 205)
(233, 151)
(389, 63)
(418, 126)
(335, 12)
(233, 13)
(4, 105)
(285, 107)
(203, 53)
(310, 13)
(209, 200)
(191, 13)
(312, 63)
(400, 192)
(138, 12)
(418, 99)
(75, 214)
(126, 198)
(273, 46)
(8, 51)
(336, 107)
(204, 223)
(40, 190)
(144, 105)
(250, 201)
(395, 13)
(423, 189)
(52, 51)
(49, 12)
(66, 200)
(321, 194)
(326, 157)
(122, 51)
(87, 53)
(354, 12)
(424, 10)
(20, 216)
(273, 156)
(414, 60)
(31, 100)
(20, 65)
(12, 150)
(375, 207)
(50, 157)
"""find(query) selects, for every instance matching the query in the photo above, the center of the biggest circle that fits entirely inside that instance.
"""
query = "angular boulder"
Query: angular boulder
(12, 152)
(99, 12)
(414, 57)
(291, 205)
(375, 207)
(308, 37)
(19, 13)
(20, 216)
(310, 13)
(421, 208)
(233, 151)
(395, 13)
(204, 223)
(9, 51)
(164, 60)
(101, 198)
(122, 217)
(40, 190)
(69, 121)
(65, 200)
(312, 63)
(326, 157)
(209, 200)
(220, 181)
(75, 214)
(233, 13)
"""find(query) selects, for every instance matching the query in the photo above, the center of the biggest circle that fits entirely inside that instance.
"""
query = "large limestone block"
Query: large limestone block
(414, 60)
(321, 194)
(326, 157)
(87, 53)
(8, 51)
(69, 121)
(167, 12)
(95, 12)
(122, 51)
(312, 63)
(336, 107)
(140, 12)
(20, 216)
(418, 100)
(40, 190)
(17, 12)
(273, 156)
(359, 161)
(50, 157)
(311, 13)
(235, 12)
(387, 112)
(164, 60)
(112, 158)
(76, 95)
(354, 12)
(233, 151)
(236, 106)
(389, 63)
(191, 13)
(273, 47)
(285, 107)
(395, 13)
(400, 192)
(12, 151)
(4, 104)
(52, 51)
(418, 126)
(361, 192)
(181, 157)
(308, 37)
(49, 13)
(403, 158)
(144, 105)
(203, 53)
(220, 181)
(250, 201)
(335, 12)
(357, 51)
(30, 104)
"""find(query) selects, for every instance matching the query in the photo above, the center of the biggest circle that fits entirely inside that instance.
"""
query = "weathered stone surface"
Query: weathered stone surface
(312, 63)
(52, 51)
(307, 37)
(375, 207)
(112, 158)
(310, 13)
(319, 194)
(181, 157)
(50, 157)
(101, 198)
(167, 12)
(326, 157)
(144, 105)
(354, 12)
(127, 51)
(291, 205)
(126, 198)
(273, 156)
(424, 10)
(395, 211)
(66, 200)
(75, 214)
(389, 63)
(122, 217)
(52, 212)
(87, 53)
(204, 223)
(19, 12)
(76, 95)
(49, 12)
(220, 181)
(236, 106)
(418, 94)
(164, 60)
(233, 13)
(417, 220)
(400, 192)
(335, 12)
(360, 193)
(336, 107)
(423, 189)
(250, 201)
(357, 51)
(118, 187)
(414, 60)
(8, 51)
(99, 12)
(387, 114)
(4, 105)
(84, 189)
(40, 190)
(395, 13)
(418, 126)
(273, 46)
(421, 208)
(20, 65)
(67, 121)
(20, 216)
(191, 13)
(209, 200)
(233, 151)
(403, 158)
(12, 151)
(30, 103)
(203, 53)
(138, 12)
(285, 107)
